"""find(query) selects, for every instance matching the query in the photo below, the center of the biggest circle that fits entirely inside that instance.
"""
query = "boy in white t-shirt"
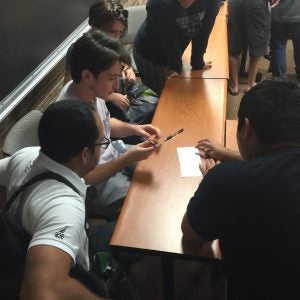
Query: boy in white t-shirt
(96, 64)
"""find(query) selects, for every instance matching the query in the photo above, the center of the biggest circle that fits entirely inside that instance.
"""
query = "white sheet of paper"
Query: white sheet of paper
(189, 162)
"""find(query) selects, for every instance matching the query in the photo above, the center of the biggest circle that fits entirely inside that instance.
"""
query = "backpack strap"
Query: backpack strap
(42, 176)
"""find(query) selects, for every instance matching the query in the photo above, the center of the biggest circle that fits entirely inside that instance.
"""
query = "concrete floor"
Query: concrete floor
(234, 101)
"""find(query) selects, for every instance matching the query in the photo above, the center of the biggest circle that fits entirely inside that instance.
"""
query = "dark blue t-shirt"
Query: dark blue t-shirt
(167, 31)
(253, 208)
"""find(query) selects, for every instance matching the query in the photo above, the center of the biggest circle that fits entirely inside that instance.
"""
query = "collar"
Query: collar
(46, 163)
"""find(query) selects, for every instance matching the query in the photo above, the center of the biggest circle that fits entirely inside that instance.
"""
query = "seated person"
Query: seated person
(96, 63)
(131, 101)
(70, 135)
(252, 206)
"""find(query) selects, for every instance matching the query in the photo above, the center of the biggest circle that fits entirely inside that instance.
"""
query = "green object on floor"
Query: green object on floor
(119, 283)
(107, 264)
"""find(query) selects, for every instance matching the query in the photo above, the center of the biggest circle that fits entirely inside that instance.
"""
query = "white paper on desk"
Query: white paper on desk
(189, 162)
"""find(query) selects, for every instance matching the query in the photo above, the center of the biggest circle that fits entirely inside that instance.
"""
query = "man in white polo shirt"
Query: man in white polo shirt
(70, 134)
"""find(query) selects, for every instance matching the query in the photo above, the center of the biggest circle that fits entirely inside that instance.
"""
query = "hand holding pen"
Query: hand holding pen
(154, 140)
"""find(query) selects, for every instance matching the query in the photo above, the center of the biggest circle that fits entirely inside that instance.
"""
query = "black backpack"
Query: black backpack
(14, 241)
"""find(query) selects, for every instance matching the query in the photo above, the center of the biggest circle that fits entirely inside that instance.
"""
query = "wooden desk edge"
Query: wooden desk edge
(182, 256)
(230, 135)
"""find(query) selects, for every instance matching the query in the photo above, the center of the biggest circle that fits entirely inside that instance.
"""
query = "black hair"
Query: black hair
(97, 52)
(104, 12)
(273, 109)
(66, 128)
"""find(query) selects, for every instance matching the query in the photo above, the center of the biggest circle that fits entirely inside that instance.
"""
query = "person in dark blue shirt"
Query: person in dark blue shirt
(253, 205)
(169, 27)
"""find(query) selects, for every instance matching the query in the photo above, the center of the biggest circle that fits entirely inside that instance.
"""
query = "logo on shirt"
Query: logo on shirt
(60, 234)
(190, 24)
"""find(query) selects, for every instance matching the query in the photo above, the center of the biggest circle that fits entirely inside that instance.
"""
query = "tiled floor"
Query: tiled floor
(193, 280)
(234, 101)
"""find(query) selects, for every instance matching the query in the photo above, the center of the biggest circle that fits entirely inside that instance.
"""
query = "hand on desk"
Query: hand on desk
(217, 151)
(207, 164)
(205, 66)
(170, 74)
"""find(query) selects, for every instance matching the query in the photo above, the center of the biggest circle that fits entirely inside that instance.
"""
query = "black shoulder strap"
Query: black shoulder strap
(42, 176)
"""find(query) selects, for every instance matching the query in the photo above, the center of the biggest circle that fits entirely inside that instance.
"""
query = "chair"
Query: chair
(136, 16)
(23, 134)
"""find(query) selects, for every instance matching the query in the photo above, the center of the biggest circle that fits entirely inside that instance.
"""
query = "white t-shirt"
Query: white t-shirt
(54, 214)
(109, 153)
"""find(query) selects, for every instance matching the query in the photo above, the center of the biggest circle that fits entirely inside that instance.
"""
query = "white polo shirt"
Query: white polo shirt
(54, 214)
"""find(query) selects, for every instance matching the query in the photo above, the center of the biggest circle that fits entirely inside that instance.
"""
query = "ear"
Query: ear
(85, 155)
(247, 130)
(86, 75)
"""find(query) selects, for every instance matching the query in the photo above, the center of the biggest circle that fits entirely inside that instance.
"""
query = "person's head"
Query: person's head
(109, 16)
(97, 60)
(269, 117)
(69, 130)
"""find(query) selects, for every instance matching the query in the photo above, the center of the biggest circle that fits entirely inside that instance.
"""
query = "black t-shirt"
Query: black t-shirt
(167, 31)
(253, 207)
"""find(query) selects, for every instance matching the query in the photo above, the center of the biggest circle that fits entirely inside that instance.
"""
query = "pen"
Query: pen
(153, 141)
(202, 154)
(173, 134)
(153, 144)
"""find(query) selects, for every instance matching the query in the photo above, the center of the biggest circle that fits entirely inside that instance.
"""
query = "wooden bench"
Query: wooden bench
(230, 136)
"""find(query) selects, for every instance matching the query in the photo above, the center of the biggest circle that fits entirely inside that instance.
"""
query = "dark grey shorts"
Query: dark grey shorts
(249, 22)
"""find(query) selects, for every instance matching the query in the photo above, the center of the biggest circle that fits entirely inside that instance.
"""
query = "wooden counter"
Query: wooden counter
(157, 198)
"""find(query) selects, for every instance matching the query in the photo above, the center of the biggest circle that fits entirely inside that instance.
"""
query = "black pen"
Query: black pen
(172, 135)
(202, 154)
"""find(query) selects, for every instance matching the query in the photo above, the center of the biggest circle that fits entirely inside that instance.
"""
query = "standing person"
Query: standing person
(249, 24)
(70, 135)
(132, 101)
(252, 206)
(285, 24)
(96, 63)
(169, 27)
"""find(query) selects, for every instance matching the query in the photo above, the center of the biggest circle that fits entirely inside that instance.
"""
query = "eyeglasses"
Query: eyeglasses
(120, 12)
(104, 144)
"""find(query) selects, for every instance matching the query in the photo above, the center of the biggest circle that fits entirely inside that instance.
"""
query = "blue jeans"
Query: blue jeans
(280, 34)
